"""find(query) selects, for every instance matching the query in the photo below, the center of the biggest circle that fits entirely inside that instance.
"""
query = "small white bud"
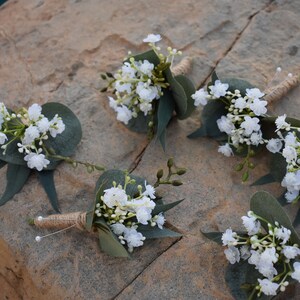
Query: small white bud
(278, 69)
(40, 218)
(38, 238)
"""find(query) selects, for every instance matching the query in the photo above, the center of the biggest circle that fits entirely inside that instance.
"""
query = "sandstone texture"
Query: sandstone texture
(55, 51)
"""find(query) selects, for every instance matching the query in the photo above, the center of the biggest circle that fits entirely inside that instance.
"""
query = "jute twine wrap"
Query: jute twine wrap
(183, 67)
(76, 219)
(278, 91)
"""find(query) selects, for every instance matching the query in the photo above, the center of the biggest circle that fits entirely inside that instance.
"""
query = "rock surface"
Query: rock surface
(55, 51)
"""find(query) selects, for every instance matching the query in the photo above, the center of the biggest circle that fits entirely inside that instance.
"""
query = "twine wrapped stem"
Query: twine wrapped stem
(183, 67)
(62, 221)
(278, 91)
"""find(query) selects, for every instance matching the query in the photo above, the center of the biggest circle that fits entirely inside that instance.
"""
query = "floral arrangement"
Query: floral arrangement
(147, 90)
(36, 138)
(126, 211)
(270, 246)
(235, 113)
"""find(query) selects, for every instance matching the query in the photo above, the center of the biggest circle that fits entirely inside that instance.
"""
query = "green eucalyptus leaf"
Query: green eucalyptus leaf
(266, 206)
(214, 77)
(150, 55)
(212, 111)
(214, 236)
(109, 243)
(140, 123)
(91, 211)
(241, 279)
(164, 115)
(278, 167)
(16, 176)
(178, 94)
(2, 163)
(237, 84)
(106, 179)
(12, 155)
(65, 143)
(150, 232)
(164, 207)
(296, 221)
(189, 90)
(268, 178)
(47, 180)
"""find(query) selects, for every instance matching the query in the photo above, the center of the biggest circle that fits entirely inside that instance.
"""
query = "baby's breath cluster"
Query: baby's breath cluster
(32, 129)
(139, 83)
(242, 122)
(272, 253)
(125, 214)
(288, 145)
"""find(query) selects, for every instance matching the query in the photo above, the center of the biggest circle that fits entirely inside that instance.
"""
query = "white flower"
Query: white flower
(133, 238)
(250, 125)
(289, 153)
(146, 92)
(143, 215)
(259, 107)
(152, 38)
(43, 125)
(291, 181)
(57, 126)
(145, 107)
(256, 138)
(254, 93)
(123, 114)
(296, 274)
(118, 228)
(269, 256)
(291, 140)
(225, 125)
(251, 224)
(149, 191)
(232, 254)
(3, 113)
(281, 123)
(290, 196)
(245, 252)
(266, 269)
(115, 196)
(31, 133)
(37, 161)
(240, 103)
(282, 234)
(3, 138)
(145, 202)
(274, 145)
(290, 252)
(200, 97)
(113, 103)
(146, 67)
(34, 112)
(229, 237)
(122, 87)
(225, 150)
(219, 89)
(160, 220)
(254, 258)
(268, 287)
(128, 70)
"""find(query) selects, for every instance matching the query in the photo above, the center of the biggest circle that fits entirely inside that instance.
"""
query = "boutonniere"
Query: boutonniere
(37, 138)
(264, 257)
(148, 90)
(235, 114)
(126, 211)
(285, 163)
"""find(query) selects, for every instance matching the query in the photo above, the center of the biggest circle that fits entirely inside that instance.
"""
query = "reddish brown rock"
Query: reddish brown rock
(55, 51)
